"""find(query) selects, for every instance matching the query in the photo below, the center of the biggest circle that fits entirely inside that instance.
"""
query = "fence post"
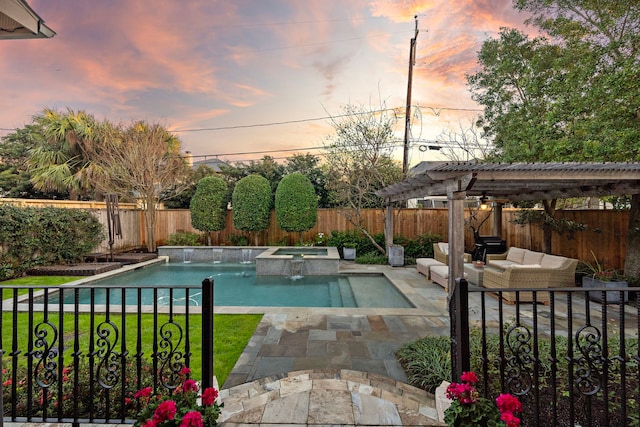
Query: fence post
(207, 333)
(459, 319)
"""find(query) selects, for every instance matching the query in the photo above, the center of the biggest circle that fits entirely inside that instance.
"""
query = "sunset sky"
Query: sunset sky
(213, 71)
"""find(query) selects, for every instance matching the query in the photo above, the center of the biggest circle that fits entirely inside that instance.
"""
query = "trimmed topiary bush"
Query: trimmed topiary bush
(208, 205)
(296, 204)
(251, 203)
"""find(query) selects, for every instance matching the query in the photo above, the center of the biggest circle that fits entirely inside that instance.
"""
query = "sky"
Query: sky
(246, 78)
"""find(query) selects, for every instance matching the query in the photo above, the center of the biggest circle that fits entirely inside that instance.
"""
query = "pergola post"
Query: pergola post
(497, 219)
(388, 227)
(456, 237)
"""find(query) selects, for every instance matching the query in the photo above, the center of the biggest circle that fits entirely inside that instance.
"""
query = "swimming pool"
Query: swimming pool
(238, 285)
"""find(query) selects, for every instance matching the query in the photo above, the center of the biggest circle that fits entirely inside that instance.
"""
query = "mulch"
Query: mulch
(97, 263)
(80, 269)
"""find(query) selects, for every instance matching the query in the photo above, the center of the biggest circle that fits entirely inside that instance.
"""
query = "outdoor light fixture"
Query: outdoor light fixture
(484, 205)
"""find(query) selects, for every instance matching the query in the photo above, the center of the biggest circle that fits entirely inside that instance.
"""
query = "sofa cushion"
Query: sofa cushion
(444, 247)
(531, 257)
(501, 263)
(553, 261)
(525, 266)
(515, 255)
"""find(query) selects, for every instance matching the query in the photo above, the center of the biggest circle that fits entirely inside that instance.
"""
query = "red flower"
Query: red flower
(469, 377)
(149, 423)
(510, 420)
(209, 396)
(508, 403)
(165, 411)
(464, 393)
(189, 385)
(192, 419)
(186, 371)
(145, 392)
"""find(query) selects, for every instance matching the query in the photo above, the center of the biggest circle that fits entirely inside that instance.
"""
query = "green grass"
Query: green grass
(231, 334)
(37, 281)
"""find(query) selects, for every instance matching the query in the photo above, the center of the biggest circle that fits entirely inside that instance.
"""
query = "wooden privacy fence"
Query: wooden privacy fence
(605, 234)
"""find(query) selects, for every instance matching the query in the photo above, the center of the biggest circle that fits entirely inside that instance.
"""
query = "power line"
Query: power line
(436, 111)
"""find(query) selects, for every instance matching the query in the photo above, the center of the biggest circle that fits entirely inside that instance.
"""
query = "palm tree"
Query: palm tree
(61, 162)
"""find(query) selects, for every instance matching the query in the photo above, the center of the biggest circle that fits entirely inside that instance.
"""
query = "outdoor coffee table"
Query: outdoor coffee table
(474, 275)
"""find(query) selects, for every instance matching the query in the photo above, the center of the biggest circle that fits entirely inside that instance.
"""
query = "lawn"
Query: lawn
(231, 334)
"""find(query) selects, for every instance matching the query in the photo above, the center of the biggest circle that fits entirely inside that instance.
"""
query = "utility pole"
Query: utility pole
(407, 118)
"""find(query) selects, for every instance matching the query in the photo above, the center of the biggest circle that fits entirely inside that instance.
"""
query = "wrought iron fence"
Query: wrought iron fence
(571, 361)
(79, 354)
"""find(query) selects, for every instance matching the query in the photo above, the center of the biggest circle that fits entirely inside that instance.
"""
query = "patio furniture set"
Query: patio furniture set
(516, 268)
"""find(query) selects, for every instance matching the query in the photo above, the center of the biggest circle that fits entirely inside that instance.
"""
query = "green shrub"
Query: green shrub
(371, 258)
(251, 203)
(349, 238)
(209, 204)
(280, 242)
(184, 238)
(426, 361)
(367, 253)
(296, 204)
(237, 240)
(44, 236)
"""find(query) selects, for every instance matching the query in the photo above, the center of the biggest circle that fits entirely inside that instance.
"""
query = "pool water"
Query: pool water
(238, 285)
(301, 251)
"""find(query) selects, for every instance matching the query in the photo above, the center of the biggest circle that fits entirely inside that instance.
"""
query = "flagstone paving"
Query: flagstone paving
(314, 366)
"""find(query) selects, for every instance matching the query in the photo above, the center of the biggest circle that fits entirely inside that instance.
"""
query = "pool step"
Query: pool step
(346, 293)
(335, 296)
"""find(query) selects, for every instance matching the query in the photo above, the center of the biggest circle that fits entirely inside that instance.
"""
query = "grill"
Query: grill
(488, 245)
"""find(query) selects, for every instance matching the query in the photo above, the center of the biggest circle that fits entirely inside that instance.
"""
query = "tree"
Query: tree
(141, 162)
(182, 200)
(359, 162)
(267, 167)
(209, 205)
(251, 204)
(296, 204)
(309, 166)
(15, 179)
(60, 162)
(570, 96)
(463, 144)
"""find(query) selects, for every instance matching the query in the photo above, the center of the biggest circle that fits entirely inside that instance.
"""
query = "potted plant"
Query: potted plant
(598, 276)
(349, 251)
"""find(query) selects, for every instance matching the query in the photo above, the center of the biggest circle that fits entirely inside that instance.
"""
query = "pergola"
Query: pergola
(505, 181)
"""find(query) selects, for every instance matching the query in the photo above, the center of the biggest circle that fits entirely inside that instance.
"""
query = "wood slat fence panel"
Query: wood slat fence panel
(605, 234)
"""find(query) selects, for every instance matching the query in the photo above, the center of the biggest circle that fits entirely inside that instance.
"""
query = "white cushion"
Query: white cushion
(553, 261)
(531, 257)
(444, 247)
(524, 266)
(515, 255)
(428, 262)
(501, 263)
(442, 271)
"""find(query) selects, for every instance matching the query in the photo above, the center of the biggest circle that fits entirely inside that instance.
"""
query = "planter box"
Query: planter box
(349, 253)
(396, 256)
(612, 297)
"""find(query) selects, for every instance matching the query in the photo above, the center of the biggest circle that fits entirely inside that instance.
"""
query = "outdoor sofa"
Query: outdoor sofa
(522, 268)
(436, 269)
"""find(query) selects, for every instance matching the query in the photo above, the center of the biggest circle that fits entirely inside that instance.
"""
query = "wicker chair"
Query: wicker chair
(441, 253)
